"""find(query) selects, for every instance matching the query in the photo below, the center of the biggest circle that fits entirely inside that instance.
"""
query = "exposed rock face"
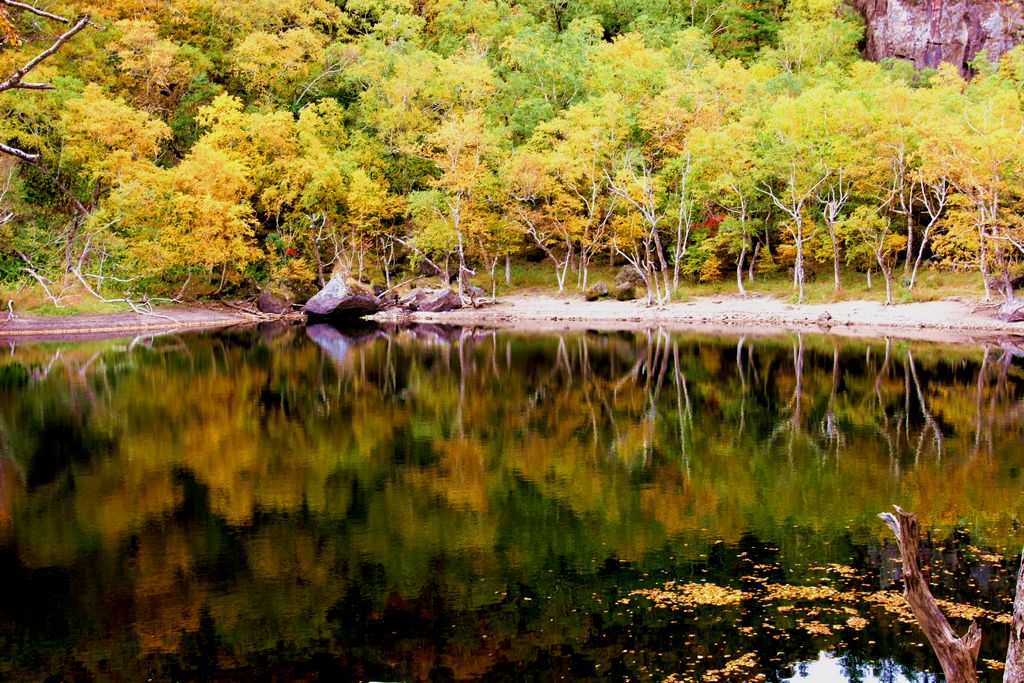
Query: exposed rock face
(342, 300)
(927, 32)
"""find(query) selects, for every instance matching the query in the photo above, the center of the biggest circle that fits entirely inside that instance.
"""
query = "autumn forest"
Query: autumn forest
(200, 147)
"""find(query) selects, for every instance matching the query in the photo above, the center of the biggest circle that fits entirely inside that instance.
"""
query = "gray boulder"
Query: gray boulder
(342, 300)
(431, 300)
(596, 291)
(624, 291)
(283, 295)
(1012, 311)
(628, 275)
(441, 302)
(414, 298)
(275, 304)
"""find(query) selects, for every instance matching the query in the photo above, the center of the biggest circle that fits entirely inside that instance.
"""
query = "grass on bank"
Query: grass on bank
(932, 285)
(31, 299)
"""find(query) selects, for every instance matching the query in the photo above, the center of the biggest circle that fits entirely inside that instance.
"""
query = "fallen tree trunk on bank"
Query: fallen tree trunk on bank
(957, 655)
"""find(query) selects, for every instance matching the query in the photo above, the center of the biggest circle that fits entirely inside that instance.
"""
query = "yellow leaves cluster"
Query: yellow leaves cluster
(629, 68)
(803, 603)
(693, 100)
(277, 62)
(984, 555)
(369, 203)
(675, 595)
(8, 33)
(743, 665)
(842, 570)
(409, 95)
(892, 602)
(816, 628)
(201, 211)
(857, 623)
(156, 65)
(958, 610)
(777, 591)
(112, 139)
(460, 147)
(454, 17)
(252, 159)
(711, 271)
(271, 15)
(215, 223)
(156, 10)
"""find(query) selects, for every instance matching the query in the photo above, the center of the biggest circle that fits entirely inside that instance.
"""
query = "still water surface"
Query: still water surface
(437, 504)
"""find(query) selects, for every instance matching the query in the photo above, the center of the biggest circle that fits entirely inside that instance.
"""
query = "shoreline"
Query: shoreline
(84, 326)
(950, 320)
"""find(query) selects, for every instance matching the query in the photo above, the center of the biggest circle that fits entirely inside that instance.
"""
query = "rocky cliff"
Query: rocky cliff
(927, 32)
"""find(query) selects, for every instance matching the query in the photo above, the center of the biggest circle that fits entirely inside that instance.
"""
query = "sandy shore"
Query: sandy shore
(948, 320)
(91, 325)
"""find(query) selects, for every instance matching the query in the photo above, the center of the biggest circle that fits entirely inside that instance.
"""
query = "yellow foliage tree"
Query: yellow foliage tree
(156, 66)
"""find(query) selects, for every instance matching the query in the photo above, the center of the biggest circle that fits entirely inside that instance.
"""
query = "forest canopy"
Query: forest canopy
(206, 146)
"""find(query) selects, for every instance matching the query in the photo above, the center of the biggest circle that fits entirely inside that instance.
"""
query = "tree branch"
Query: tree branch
(35, 10)
(419, 253)
(15, 79)
(57, 182)
(33, 86)
(18, 153)
(145, 308)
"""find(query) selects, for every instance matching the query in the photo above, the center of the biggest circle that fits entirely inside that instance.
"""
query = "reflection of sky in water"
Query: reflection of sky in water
(828, 669)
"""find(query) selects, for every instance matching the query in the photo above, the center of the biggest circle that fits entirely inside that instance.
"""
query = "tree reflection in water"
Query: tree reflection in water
(437, 503)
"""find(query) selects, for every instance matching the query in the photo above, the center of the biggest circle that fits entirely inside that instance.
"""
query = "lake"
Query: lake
(284, 503)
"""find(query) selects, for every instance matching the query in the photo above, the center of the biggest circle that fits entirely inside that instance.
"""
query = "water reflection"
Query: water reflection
(436, 503)
(830, 669)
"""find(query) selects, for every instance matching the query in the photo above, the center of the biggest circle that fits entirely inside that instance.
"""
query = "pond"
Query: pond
(432, 503)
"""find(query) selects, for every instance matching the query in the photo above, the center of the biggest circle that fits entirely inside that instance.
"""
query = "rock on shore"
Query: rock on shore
(342, 300)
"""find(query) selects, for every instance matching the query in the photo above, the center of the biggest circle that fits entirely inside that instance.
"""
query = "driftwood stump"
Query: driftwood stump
(957, 655)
